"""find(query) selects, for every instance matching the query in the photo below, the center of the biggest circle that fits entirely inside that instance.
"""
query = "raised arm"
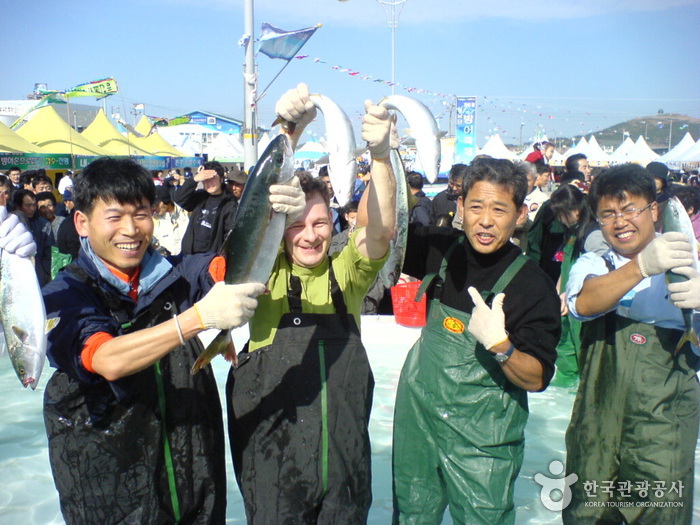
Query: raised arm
(377, 210)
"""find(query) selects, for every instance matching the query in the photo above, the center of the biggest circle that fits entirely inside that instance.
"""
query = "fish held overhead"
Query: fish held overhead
(252, 245)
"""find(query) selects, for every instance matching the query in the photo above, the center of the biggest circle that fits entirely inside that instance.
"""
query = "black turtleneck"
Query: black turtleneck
(531, 304)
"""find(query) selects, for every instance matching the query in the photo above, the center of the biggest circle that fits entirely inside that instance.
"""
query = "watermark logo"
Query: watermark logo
(556, 492)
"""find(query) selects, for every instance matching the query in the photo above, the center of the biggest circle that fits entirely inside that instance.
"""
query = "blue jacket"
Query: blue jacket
(148, 448)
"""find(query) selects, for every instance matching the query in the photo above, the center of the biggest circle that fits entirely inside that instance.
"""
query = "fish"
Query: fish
(23, 317)
(424, 130)
(252, 244)
(676, 219)
(391, 271)
(342, 149)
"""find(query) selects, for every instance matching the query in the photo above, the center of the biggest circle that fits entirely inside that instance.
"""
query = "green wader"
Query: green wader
(635, 422)
(567, 373)
(458, 423)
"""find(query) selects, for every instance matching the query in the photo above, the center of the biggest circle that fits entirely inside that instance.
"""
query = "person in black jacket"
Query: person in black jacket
(445, 202)
(421, 211)
(213, 209)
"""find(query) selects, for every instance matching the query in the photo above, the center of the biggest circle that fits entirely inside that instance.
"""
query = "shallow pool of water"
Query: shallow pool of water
(28, 496)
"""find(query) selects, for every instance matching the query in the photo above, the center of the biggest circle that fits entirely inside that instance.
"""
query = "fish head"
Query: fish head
(25, 354)
(429, 155)
(283, 159)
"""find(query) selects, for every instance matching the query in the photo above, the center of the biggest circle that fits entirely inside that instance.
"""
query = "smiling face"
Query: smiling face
(119, 234)
(628, 237)
(490, 216)
(306, 241)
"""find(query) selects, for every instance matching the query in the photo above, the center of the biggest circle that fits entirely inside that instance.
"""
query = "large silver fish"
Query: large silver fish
(423, 129)
(391, 271)
(676, 220)
(252, 245)
(23, 317)
(342, 165)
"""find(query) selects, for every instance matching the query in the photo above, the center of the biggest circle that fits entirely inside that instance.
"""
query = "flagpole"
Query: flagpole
(268, 86)
(250, 134)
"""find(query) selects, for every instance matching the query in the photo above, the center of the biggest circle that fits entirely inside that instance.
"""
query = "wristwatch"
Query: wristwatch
(502, 357)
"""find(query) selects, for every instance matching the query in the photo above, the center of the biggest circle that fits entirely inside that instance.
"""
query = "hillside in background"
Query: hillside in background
(655, 129)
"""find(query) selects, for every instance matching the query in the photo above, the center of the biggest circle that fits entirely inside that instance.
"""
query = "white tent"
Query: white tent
(310, 151)
(225, 148)
(495, 148)
(620, 155)
(673, 157)
(581, 147)
(596, 155)
(190, 138)
(692, 155)
(642, 153)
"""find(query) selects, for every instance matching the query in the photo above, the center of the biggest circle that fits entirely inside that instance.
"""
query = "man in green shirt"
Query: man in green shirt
(300, 399)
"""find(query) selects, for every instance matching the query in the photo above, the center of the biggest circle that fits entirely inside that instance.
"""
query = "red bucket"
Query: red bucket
(408, 311)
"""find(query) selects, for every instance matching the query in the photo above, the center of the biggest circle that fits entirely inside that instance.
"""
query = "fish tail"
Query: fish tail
(218, 346)
(689, 336)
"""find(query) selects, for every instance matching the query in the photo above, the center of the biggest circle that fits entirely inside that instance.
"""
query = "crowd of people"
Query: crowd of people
(530, 281)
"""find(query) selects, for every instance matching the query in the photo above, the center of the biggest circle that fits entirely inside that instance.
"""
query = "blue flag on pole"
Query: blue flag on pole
(277, 43)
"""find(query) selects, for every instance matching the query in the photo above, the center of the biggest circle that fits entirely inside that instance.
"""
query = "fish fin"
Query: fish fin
(218, 346)
(287, 126)
(51, 324)
(21, 334)
(689, 336)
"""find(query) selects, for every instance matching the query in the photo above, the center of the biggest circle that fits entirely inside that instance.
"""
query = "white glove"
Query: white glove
(289, 199)
(665, 252)
(376, 130)
(394, 135)
(487, 325)
(229, 305)
(687, 293)
(295, 106)
(14, 236)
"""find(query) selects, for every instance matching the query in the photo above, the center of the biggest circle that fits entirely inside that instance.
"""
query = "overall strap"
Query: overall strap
(294, 293)
(507, 276)
(438, 277)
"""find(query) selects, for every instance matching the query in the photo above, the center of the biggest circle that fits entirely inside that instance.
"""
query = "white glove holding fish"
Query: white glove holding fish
(664, 253)
(295, 106)
(686, 294)
(394, 136)
(14, 236)
(487, 325)
(376, 130)
(228, 305)
(288, 199)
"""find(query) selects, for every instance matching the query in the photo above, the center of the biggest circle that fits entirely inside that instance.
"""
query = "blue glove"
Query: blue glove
(14, 236)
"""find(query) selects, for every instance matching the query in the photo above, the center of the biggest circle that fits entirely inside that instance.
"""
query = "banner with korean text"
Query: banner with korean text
(465, 133)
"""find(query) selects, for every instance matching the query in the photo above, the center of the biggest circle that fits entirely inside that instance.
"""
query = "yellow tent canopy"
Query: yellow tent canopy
(10, 142)
(144, 126)
(49, 131)
(156, 144)
(103, 133)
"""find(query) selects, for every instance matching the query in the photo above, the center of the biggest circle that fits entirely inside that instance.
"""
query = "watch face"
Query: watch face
(501, 357)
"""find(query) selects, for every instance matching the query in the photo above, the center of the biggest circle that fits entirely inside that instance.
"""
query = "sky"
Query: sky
(553, 67)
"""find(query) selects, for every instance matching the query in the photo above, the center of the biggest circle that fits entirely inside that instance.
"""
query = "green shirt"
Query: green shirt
(353, 272)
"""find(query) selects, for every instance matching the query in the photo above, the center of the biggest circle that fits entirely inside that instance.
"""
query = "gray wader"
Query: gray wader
(298, 420)
(458, 424)
(635, 420)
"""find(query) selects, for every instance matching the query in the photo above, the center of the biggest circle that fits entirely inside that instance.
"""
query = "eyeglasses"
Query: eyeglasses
(628, 214)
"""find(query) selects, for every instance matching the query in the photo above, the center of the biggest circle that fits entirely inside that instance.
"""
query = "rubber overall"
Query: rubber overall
(635, 419)
(458, 422)
(567, 373)
(298, 413)
(151, 454)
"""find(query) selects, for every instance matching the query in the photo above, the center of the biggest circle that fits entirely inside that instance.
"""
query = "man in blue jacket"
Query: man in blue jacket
(133, 436)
